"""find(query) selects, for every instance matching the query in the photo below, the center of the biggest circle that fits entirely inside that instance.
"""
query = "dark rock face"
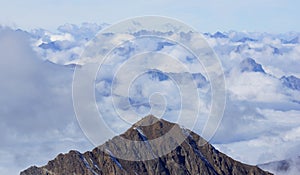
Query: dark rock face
(193, 156)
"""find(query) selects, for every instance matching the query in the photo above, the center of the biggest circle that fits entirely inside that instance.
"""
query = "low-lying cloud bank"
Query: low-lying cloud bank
(37, 118)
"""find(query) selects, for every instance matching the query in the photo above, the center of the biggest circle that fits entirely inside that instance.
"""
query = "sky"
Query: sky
(206, 16)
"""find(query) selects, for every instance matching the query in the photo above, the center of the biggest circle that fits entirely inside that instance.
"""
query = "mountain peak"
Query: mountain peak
(149, 127)
(291, 82)
(148, 121)
(190, 156)
(250, 65)
(219, 35)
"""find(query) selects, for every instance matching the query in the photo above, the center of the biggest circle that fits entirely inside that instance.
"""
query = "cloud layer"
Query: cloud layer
(37, 117)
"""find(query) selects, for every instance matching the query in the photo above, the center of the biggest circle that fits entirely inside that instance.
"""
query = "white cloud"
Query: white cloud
(63, 37)
(254, 86)
(273, 136)
(261, 115)
(36, 106)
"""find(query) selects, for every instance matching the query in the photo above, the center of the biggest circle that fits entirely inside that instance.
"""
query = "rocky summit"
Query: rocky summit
(141, 151)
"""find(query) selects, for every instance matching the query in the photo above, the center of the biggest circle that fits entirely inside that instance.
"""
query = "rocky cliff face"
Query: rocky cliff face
(192, 156)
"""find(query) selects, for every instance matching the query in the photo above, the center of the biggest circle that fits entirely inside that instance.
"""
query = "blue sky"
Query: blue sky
(206, 16)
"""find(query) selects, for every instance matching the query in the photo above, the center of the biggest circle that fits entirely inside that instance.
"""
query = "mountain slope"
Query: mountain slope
(193, 156)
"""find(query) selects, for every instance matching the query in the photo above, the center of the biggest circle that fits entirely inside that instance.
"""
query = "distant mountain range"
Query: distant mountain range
(193, 156)
(66, 44)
